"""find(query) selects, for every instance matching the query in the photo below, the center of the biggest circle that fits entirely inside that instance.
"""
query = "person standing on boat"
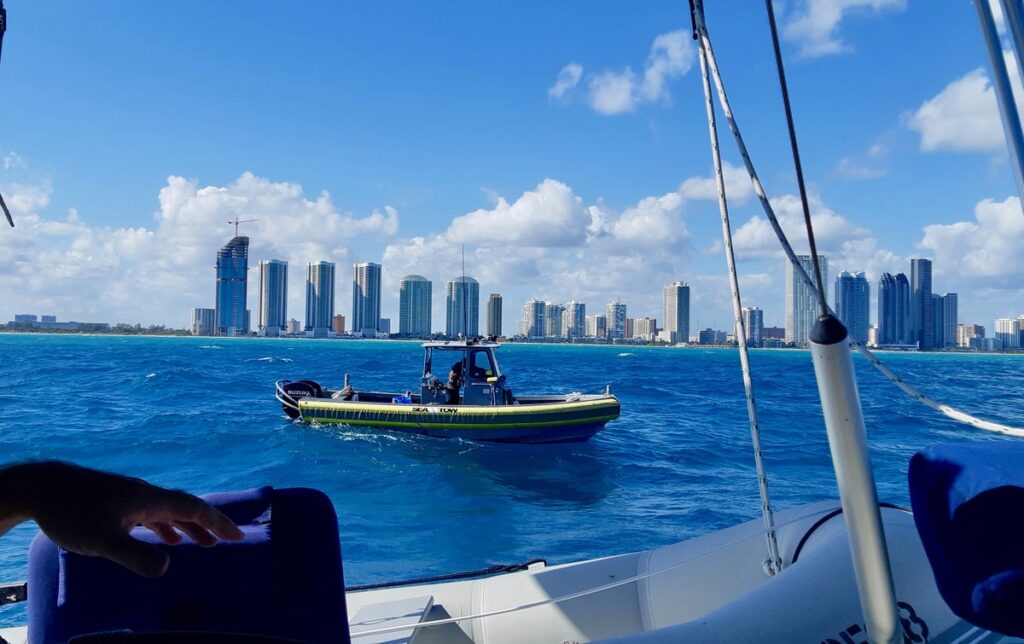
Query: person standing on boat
(454, 383)
(89, 512)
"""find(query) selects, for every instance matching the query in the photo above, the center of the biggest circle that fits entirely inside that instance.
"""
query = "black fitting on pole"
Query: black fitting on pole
(828, 330)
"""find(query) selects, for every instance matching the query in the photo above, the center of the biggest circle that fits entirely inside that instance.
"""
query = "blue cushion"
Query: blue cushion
(968, 501)
(284, 579)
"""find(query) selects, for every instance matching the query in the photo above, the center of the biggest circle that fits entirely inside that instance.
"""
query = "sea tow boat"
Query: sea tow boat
(473, 402)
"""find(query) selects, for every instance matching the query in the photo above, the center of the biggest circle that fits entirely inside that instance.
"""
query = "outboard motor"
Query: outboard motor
(289, 394)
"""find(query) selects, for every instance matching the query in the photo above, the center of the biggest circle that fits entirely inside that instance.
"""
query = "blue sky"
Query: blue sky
(395, 132)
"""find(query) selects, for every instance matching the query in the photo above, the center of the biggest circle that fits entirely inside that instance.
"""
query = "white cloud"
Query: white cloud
(857, 168)
(671, 56)
(547, 244)
(756, 238)
(988, 248)
(738, 187)
(567, 80)
(550, 215)
(155, 274)
(815, 24)
(964, 116)
(613, 93)
(617, 92)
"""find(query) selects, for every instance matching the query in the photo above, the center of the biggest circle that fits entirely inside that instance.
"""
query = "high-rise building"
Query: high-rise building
(339, 324)
(463, 306)
(384, 326)
(802, 307)
(232, 276)
(853, 304)
(575, 320)
(894, 319)
(553, 318)
(1008, 333)
(922, 313)
(319, 297)
(203, 321)
(294, 326)
(532, 323)
(676, 297)
(597, 326)
(616, 320)
(49, 319)
(645, 328)
(365, 298)
(494, 315)
(938, 322)
(950, 313)
(753, 322)
(415, 301)
(273, 310)
(967, 332)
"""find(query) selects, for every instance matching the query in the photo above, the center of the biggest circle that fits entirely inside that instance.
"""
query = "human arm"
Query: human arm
(91, 513)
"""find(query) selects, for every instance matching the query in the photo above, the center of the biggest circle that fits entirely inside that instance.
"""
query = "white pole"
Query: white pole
(1001, 81)
(847, 441)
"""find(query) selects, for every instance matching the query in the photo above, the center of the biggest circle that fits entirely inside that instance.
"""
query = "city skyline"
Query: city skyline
(902, 305)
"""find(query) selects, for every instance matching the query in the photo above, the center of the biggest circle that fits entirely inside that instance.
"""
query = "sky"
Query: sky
(563, 145)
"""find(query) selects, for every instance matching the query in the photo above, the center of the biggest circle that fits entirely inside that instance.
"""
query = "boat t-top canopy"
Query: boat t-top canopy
(460, 344)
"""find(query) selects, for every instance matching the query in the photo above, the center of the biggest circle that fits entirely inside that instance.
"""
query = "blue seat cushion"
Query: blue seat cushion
(968, 501)
(283, 579)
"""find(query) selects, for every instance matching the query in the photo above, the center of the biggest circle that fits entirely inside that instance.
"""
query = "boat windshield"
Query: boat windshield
(478, 362)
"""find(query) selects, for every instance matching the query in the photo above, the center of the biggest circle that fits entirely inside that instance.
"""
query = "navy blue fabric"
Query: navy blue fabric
(968, 501)
(284, 579)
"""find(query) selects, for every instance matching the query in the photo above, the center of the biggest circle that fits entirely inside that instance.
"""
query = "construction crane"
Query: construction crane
(237, 221)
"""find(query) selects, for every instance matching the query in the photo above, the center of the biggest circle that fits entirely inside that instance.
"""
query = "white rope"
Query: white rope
(774, 563)
(578, 594)
(948, 411)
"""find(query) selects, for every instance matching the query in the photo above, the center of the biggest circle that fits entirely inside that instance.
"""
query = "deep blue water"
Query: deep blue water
(199, 414)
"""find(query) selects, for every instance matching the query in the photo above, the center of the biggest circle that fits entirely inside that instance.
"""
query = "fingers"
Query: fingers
(164, 530)
(197, 533)
(218, 523)
(141, 558)
(181, 507)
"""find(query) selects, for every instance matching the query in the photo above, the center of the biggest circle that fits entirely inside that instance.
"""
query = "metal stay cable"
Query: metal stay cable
(946, 410)
(774, 562)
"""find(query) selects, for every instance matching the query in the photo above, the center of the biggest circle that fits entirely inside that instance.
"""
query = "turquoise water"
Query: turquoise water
(199, 413)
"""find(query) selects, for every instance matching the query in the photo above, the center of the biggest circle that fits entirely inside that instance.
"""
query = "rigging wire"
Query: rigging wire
(796, 159)
(798, 269)
(773, 564)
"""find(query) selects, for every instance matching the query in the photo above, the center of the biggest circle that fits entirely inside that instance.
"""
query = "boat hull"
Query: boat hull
(538, 420)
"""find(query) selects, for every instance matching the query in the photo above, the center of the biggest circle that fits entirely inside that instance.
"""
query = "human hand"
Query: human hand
(91, 513)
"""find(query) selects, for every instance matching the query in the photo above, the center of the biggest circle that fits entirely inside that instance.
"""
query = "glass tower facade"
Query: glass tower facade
(494, 306)
(366, 298)
(801, 300)
(463, 308)
(319, 297)
(232, 270)
(853, 304)
(575, 319)
(415, 299)
(676, 298)
(894, 325)
(922, 307)
(273, 309)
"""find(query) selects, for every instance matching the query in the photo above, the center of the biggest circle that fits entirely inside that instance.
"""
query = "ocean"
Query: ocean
(199, 414)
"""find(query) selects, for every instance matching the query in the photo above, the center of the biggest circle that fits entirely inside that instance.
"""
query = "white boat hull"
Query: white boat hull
(712, 589)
